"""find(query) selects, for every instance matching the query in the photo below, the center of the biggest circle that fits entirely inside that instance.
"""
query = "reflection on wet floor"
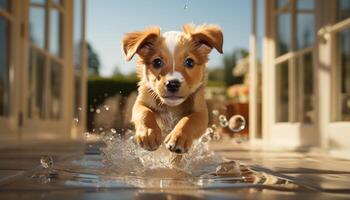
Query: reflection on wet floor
(89, 171)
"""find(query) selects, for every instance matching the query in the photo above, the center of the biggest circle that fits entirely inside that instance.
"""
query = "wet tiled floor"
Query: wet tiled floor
(317, 176)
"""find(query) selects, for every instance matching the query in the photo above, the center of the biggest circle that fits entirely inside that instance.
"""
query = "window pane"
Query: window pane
(58, 2)
(280, 3)
(282, 92)
(56, 90)
(4, 68)
(37, 26)
(36, 94)
(343, 9)
(344, 96)
(39, 1)
(4, 4)
(305, 30)
(305, 88)
(305, 4)
(283, 34)
(55, 33)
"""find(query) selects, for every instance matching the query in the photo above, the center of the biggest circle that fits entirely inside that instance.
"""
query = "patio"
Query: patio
(313, 174)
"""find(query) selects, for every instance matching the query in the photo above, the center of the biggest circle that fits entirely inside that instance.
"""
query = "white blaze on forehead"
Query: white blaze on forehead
(171, 40)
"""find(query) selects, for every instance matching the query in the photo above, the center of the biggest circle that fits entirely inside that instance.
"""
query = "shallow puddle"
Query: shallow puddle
(204, 171)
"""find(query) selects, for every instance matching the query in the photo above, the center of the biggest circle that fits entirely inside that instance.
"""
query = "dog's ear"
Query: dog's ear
(206, 36)
(139, 41)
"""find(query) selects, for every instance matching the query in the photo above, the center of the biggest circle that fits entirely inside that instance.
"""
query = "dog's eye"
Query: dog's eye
(189, 63)
(157, 63)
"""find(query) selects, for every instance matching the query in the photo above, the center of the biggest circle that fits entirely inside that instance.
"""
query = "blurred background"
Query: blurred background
(285, 67)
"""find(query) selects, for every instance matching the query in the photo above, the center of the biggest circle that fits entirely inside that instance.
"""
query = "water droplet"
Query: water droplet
(216, 136)
(87, 134)
(186, 4)
(100, 129)
(223, 121)
(120, 91)
(215, 112)
(92, 109)
(113, 130)
(46, 162)
(236, 123)
(209, 132)
(76, 120)
(79, 108)
(98, 111)
(106, 107)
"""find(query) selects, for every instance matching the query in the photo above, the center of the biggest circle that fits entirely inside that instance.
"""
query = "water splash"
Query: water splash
(236, 123)
(121, 149)
(46, 162)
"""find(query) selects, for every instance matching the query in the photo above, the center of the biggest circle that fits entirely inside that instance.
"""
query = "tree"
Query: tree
(230, 62)
(93, 61)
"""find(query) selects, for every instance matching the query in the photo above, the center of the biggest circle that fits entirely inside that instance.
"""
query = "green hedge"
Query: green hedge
(101, 88)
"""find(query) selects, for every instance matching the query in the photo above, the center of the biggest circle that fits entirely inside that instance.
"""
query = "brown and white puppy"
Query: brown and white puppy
(172, 69)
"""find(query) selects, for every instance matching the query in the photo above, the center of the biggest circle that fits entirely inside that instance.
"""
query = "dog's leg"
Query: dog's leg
(190, 127)
(148, 133)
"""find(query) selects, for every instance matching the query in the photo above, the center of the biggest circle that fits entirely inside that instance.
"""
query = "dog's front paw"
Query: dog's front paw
(149, 139)
(178, 142)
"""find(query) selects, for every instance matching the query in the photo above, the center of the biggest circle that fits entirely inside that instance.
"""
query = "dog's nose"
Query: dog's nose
(173, 85)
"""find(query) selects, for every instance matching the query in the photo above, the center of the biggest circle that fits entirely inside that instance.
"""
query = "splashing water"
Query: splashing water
(120, 150)
(46, 162)
(236, 123)
(223, 121)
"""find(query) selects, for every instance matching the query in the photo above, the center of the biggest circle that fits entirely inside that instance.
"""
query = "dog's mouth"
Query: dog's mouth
(173, 100)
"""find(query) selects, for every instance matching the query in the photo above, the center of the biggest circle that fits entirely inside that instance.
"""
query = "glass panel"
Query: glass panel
(55, 33)
(4, 4)
(306, 4)
(280, 3)
(344, 96)
(4, 68)
(39, 1)
(282, 92)
(58, 2)
(56, 90)
(305, 88)
(283, 43)
(37, 26)
(343, 9)
(36, 80)
(305, 30)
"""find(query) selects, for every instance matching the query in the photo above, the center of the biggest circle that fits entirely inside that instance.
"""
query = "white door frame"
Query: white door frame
(335, 134)
(283, 134)
(35, 128)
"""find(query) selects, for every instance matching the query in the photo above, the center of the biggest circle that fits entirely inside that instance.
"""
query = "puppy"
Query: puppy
(172, 71)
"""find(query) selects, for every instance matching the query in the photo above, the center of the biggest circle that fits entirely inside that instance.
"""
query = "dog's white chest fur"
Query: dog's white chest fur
(168, 120)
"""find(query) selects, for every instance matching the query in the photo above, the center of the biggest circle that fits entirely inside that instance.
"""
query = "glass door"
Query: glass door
(45, 83)
(8, 61)
(292, 110)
